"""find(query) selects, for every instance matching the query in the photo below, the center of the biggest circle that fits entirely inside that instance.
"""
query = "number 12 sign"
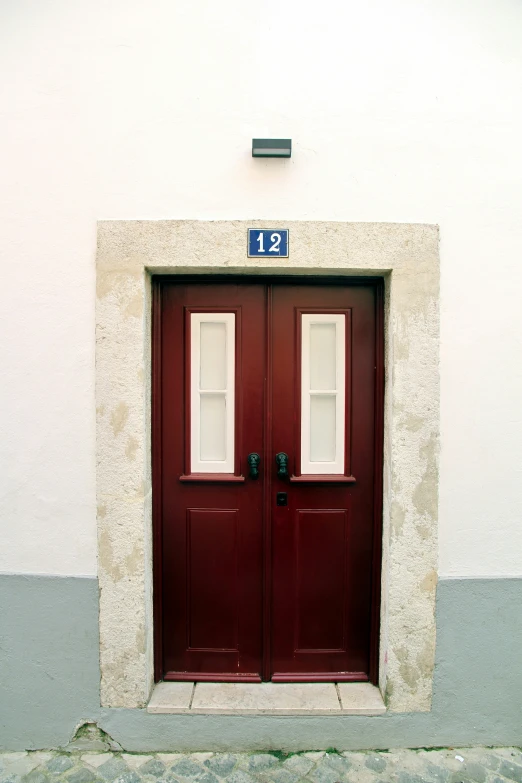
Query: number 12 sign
(267, 242)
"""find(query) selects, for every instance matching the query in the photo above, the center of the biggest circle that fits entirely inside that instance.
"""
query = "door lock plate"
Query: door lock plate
(282, 499)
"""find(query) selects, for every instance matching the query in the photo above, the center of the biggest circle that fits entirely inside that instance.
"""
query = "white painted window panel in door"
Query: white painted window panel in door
(213, 428)
(213, 355)
(322, 428)
(322, 394)
(212, 392)
(323, 356)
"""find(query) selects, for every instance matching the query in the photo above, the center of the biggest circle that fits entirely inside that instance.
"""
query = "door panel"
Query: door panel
(320, 549)
(248, 585)
(212, 516)
(322, 542)
(212, 579)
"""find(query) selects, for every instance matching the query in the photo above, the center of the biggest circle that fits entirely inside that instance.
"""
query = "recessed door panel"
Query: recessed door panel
(320, 557)
(212, 573)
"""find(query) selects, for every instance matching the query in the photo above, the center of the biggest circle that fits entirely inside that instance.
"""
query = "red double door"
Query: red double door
(266, 444)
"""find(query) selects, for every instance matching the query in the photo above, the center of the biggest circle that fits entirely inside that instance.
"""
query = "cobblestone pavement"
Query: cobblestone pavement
(477, 765)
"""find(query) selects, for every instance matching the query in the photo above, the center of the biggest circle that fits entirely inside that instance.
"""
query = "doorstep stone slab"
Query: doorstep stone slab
(360, 698)
(170, 697)
(267, 697)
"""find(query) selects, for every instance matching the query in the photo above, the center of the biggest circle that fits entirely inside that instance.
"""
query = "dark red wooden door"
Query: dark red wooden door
(274, 576)
(322, 541)
(212, 523)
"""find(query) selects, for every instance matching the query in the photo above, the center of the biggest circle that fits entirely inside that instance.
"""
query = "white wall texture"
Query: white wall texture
(406, 111)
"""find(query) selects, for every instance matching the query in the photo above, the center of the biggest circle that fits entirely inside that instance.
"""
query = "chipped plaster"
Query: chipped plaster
(407, 256)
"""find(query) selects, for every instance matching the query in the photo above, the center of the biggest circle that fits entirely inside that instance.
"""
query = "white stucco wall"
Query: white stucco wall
(399, 111)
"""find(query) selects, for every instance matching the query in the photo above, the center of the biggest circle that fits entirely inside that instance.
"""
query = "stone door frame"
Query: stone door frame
(407, 257)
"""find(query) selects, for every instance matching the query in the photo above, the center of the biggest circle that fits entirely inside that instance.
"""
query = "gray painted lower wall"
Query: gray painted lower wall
(49, 670)
(49, 680)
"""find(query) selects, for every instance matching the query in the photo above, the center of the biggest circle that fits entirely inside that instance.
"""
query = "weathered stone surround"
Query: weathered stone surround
(407, 256)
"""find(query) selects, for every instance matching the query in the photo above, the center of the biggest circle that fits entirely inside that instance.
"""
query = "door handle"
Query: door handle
(282, 464)
(253, 463)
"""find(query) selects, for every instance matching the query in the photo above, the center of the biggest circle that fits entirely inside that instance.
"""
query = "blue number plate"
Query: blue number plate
(268, 242)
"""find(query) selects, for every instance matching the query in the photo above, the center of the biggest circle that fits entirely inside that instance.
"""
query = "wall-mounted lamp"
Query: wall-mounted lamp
(271, 148)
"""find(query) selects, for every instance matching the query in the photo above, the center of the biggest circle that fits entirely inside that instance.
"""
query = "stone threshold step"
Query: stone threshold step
(267, 698)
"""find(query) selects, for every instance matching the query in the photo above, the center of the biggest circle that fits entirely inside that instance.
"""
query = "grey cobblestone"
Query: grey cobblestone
(339, 763)
(509, 769)
(113, 768)
(186, 768)
(324, 774)
(376, 763)
(240, 777)
(465, 765)
(60, 764)
(299, 764)
(82, 775)
(473, 771)
(437, 774)
(407, 777)
(491, 762)
(221, 764)
(261, 761)
(36, 776)
(153, 767)
(278, 775)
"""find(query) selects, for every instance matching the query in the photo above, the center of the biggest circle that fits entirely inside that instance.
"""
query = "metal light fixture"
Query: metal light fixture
(271, 148)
